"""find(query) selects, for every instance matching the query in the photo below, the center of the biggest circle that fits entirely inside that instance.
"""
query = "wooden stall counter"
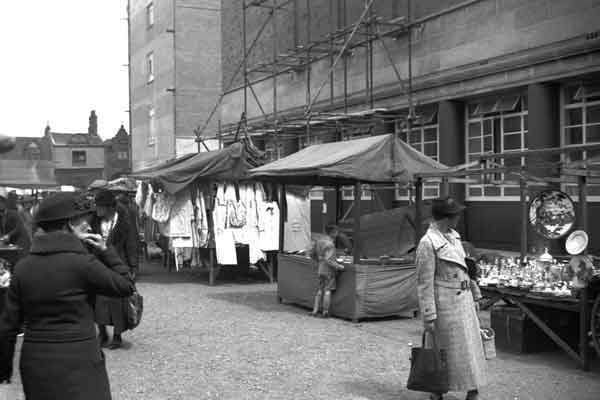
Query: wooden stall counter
(363, 290)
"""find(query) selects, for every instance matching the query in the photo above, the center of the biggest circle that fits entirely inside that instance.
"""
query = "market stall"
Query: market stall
(369, 286)
(544, 287)
(203, 203)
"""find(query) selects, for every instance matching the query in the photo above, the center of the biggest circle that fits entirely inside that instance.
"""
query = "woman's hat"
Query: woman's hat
(446, 206)
(63, 205)
(576, 242)
(106, 198)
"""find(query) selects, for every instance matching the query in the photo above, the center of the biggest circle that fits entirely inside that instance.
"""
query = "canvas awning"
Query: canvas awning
(231, 163)
(27, 174)
(377, 159)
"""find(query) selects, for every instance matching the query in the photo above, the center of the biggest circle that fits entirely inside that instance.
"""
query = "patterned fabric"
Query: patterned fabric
(446, 295)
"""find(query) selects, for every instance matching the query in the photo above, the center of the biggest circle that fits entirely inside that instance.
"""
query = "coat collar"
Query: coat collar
(445, 249)
(56, 242)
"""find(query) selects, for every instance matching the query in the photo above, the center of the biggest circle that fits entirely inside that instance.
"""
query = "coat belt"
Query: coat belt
(462, 285)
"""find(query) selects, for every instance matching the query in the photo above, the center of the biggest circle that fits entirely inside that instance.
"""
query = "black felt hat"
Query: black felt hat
(446, 207)
(106, 198)
(63, 205)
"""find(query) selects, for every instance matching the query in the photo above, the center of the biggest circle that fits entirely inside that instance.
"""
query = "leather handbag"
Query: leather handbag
(135, 309)
(428, 368)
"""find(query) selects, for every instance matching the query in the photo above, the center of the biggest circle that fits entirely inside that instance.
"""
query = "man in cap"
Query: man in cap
(115, 226)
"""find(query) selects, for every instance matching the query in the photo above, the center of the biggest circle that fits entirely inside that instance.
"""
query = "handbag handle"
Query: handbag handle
(436, 350)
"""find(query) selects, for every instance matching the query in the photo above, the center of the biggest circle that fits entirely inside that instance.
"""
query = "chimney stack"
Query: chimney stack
(93, 125)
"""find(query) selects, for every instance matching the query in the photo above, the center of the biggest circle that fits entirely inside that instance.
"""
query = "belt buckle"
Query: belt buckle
(464, 285)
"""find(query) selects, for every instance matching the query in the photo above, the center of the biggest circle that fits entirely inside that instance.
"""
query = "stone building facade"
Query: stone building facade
(488, 76)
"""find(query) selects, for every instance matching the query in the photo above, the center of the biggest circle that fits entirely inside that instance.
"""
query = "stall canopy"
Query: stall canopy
(231, 163)
(27, 174)
(377, 159)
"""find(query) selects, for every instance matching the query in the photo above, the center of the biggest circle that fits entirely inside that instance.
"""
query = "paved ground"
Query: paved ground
(234, 341)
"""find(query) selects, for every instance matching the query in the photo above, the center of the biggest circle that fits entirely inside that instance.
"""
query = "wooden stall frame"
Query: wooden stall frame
(582, 172)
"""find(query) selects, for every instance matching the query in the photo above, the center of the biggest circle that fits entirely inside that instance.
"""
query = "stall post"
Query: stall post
(357, 211)
(282, 217)
(584, 312)
(445, 187)
(418, 209)
(524, 219)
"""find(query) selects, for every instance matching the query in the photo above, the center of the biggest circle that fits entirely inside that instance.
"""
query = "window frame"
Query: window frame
(122, 155)
(583, 104)
(150, 16)
(421, 128)
(150, 67)
(347, 193)
(75, 161)
(501, 117)
(151, 126)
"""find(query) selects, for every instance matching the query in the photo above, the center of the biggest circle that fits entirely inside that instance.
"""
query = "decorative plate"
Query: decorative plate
(552, 214)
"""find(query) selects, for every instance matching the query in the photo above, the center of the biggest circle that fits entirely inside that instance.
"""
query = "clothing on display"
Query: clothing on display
(240, 213)
(149, 203)
(162, 207)
(297, 234)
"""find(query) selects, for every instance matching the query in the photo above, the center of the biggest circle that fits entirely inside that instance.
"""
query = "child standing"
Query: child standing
(324, 254)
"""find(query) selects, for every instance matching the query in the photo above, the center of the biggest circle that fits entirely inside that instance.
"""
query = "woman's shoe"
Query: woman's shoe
(472, 395)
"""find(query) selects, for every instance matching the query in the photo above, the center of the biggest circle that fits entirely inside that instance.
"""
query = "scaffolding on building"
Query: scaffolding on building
(336, 114)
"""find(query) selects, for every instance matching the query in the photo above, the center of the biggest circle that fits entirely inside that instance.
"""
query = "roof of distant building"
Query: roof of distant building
(74, 139)
(23, 145)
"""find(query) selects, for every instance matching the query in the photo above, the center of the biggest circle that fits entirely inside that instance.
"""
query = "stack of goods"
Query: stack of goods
(551, 278)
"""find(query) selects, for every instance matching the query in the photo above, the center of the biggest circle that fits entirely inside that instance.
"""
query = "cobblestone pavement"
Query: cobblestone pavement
(234, 341)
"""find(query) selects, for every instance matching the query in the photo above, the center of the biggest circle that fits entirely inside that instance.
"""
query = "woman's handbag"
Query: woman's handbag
(135, 309)
(488, 337)
(428, 368)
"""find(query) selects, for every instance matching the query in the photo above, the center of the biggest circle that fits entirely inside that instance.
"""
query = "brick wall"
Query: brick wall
(192, 68)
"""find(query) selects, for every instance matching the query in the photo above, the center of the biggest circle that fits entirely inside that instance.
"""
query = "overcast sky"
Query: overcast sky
(61, 59)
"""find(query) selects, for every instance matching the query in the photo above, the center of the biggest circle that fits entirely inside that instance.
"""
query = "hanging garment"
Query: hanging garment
(149, 203)
(269, 226)
(297, 235)
(181, 216)
(224, 240)
(251, 227)
(162, 207)
(236, 215)
(140, 194)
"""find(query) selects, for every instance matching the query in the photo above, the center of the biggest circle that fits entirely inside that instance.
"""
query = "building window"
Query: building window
(424, 137)
(365, 193)
(494, 126)
(581, 125)
(150, 15)
(316, 193)
(150, 67)
(304, 142)
(273, 151)
(122, 155)
(79, 157)
(151, 127)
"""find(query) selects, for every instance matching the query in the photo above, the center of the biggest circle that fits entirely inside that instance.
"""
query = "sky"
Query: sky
(60, 60)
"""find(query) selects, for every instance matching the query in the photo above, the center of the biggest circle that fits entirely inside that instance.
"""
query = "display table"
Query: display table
(363, 291)
(524, 299)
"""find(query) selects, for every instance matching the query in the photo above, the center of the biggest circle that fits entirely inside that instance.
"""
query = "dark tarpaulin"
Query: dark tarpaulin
(377, 159)
(229, 164)
(27, 174)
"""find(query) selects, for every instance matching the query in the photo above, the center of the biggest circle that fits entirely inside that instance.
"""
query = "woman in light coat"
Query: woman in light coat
(447, 300)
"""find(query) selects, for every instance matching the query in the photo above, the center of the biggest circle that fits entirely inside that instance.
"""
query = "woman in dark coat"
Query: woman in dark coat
(115, 225)
(52, 293)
